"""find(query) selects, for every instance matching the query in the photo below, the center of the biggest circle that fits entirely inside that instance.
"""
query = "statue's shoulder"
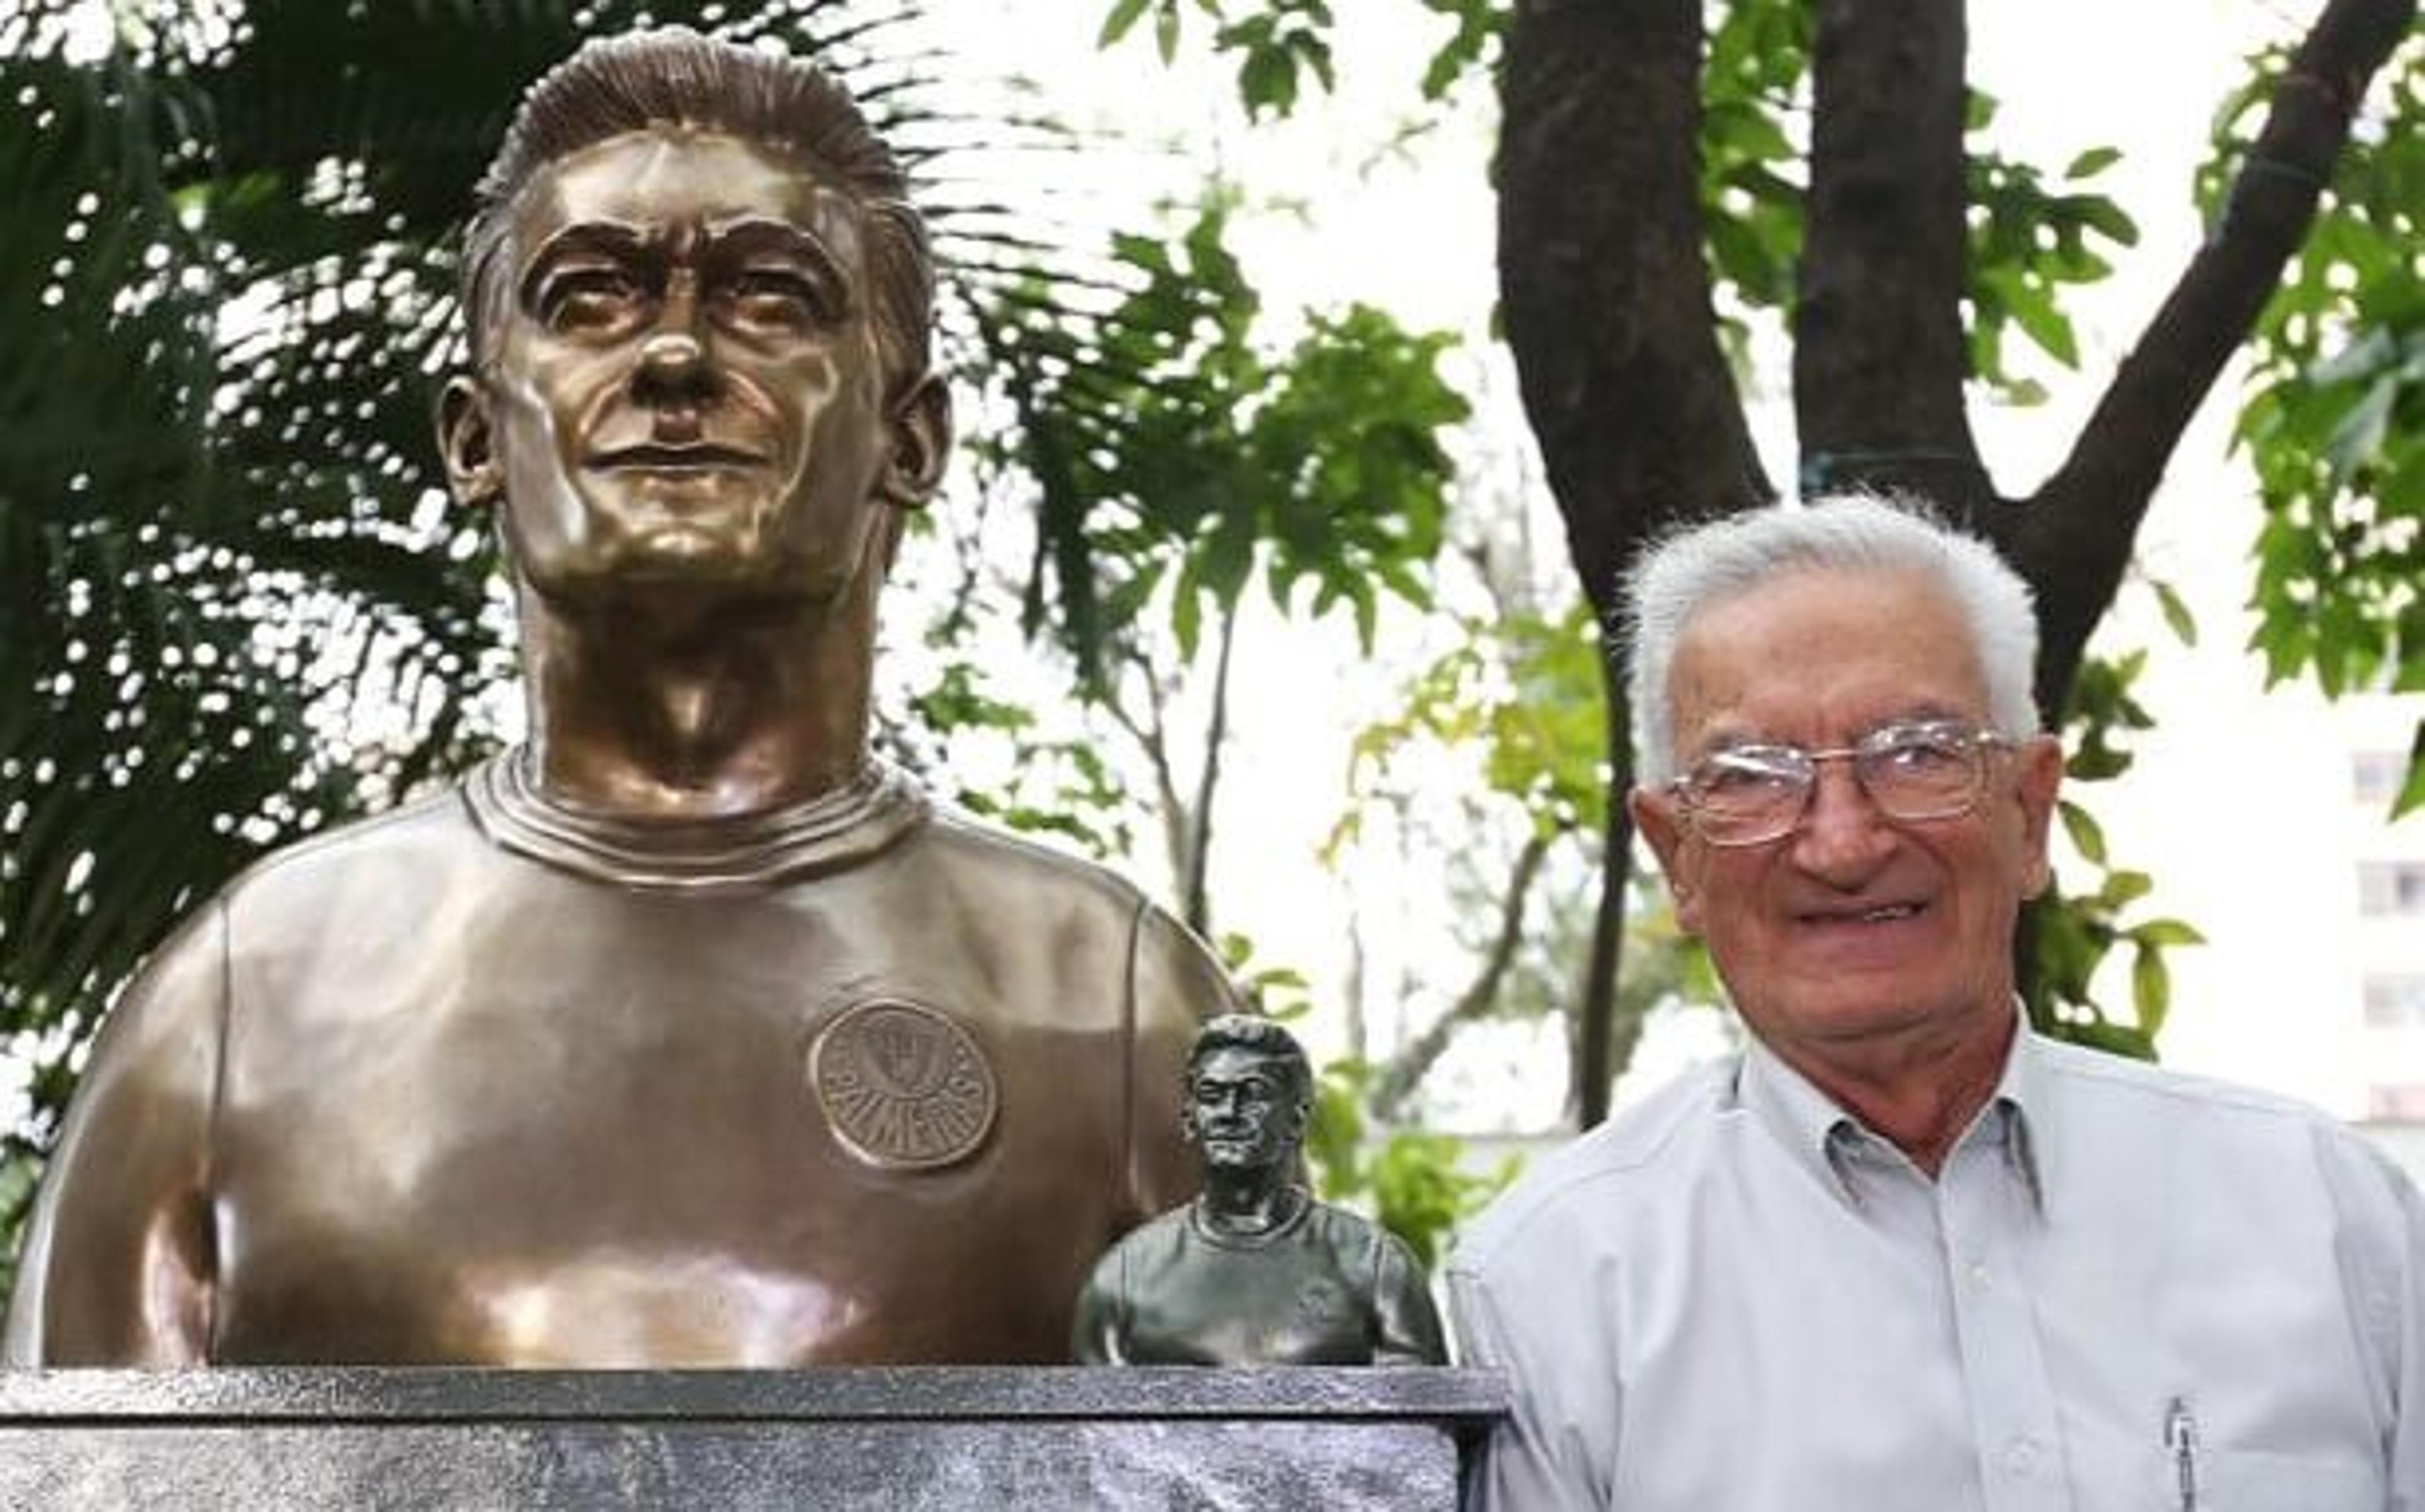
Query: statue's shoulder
(397, 846)
(967, 844)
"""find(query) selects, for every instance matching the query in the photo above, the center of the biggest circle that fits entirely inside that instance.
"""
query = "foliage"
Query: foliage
(1527, 689)
(2068, 936)
(2027, 245)
(1169, 448)
(1415, 1182)
(2333, 423)
(1277, 43)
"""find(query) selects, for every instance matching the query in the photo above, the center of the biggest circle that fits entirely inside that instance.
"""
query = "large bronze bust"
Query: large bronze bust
(686, 1033)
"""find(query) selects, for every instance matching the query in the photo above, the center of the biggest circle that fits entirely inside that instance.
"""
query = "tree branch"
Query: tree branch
(1880, 356)
(1152, 736)
(1194, 895)
(1407, 1068)
(2074, 543)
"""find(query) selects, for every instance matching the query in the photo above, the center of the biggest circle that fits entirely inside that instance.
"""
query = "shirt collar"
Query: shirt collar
(1813, 1130)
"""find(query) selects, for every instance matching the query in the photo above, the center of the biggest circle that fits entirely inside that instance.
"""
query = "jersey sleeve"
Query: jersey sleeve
(120, 1262)
(1410, 1333)
(1175, 985)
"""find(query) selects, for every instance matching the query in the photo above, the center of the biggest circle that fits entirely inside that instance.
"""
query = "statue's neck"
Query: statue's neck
(656, 711)
(1248, 1205)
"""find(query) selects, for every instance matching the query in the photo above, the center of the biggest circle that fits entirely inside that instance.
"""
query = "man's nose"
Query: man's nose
(1843, 832)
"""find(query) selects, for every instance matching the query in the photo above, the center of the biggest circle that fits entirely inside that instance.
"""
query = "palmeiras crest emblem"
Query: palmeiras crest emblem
(903, 1087)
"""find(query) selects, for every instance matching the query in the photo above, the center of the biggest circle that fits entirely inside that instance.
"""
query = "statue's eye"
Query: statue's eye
(589, 298)
(777, 297)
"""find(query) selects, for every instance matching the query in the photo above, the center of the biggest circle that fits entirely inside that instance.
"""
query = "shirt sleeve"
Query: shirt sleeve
(1533, 1461)
(2381, 1251)
(120, 1262)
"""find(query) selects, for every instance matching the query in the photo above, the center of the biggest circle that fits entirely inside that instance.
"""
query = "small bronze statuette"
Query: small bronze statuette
(1253, 1271)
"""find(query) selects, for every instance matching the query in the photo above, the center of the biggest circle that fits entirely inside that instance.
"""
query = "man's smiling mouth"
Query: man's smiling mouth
(1881, 914)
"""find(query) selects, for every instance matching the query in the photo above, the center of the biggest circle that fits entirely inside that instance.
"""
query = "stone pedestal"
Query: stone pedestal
(921, 1439)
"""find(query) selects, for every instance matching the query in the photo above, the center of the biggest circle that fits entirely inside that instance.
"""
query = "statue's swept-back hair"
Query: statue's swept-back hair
(675, 76)
(1704, 564)
(1261, 1036)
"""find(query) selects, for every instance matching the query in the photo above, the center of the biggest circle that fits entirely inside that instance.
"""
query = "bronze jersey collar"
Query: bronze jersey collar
(827, 833)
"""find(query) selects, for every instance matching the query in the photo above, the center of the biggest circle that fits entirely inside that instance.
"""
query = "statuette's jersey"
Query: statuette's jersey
(1325, 1288)
(482, 1082)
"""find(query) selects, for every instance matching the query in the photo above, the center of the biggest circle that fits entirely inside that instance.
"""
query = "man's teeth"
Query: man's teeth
(1892, 911)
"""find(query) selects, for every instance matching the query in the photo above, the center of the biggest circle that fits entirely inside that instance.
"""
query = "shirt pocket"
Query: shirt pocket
(2111, 1476)
(2250, 1481)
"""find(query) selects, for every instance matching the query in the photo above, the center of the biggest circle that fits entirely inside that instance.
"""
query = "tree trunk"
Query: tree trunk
(1605, 292)
(1879, 354)
(1601, 1051)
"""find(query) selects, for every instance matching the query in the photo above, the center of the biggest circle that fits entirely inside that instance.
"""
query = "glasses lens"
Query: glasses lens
(1750, 794)
(1920, 771)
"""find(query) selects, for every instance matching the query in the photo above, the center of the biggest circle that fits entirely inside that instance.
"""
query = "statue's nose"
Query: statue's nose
(674, 365)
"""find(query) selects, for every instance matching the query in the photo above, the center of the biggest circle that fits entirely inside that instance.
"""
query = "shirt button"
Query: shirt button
(1977, 1274)
(2021, 1456)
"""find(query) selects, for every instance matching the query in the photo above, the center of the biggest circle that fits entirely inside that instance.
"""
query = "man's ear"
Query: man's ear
(467, 442)
(1654, 816)
(921, 440)
(2038, 777)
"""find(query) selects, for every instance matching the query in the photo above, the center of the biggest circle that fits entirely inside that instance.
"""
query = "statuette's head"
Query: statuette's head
(698, 306)
(1249, 1093)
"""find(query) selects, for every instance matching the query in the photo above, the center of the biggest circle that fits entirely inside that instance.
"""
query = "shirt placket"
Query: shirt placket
(1984, 1211)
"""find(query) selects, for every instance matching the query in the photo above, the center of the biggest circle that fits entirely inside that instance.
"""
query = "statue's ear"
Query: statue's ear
(467, 441)
(921, 440)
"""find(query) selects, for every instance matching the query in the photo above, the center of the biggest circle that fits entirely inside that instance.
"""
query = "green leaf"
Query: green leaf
(2412, 790)
(2123, 888)
(2177, 614)
(2165, 932)
(1123, 16)
(2034, 311)
(2092, 162)
(2151, 989)
(2087, 835)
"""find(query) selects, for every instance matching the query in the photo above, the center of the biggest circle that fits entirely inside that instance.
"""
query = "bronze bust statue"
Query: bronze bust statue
(1253, 1271)
(687, 1033)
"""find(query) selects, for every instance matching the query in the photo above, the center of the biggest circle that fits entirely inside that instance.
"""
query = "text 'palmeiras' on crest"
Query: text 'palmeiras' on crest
(903, 1087)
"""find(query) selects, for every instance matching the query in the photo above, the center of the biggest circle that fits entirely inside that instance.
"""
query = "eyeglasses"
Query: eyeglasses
(1917, 770)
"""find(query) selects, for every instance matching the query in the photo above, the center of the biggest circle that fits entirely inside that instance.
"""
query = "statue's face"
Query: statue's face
(686, 393)
(1239, 1110)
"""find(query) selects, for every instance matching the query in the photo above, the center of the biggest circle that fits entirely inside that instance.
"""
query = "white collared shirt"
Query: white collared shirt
(2127, 1291)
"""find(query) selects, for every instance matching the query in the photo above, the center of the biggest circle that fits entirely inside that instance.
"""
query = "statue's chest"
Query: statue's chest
(719, 1157)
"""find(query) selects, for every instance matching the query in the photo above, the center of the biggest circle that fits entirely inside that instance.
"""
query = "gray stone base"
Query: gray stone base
(930, 1439)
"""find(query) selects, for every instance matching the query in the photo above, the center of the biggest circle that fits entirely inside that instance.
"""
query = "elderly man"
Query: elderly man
(1253, 1271)
(684, 1034)
(1901, 1253)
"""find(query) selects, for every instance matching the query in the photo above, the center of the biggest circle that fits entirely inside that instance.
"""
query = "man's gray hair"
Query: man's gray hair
(1701, 565)
(674, 76)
